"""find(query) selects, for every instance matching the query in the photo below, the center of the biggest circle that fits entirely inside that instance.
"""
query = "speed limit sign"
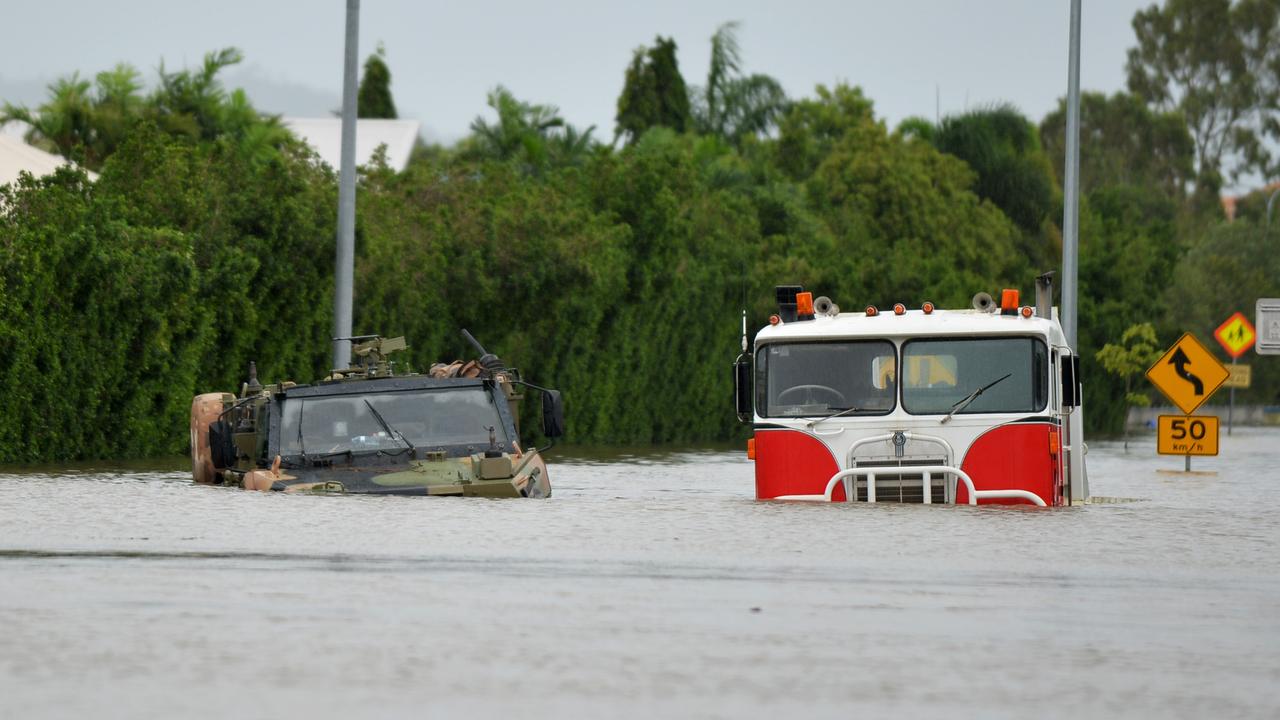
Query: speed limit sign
(1187, 435)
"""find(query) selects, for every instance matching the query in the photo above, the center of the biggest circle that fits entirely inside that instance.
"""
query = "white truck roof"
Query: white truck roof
(914, 323)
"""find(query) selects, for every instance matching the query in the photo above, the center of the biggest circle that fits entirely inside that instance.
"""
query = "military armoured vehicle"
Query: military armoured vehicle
(370, 429)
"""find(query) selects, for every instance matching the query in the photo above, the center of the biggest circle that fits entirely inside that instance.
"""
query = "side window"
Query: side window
(762, 381)
(1040, 375)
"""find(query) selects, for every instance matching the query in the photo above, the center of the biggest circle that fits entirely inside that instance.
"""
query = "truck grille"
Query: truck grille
(901, 487)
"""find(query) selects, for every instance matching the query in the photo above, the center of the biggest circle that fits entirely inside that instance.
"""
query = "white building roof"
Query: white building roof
(324, 135)
(17, 156)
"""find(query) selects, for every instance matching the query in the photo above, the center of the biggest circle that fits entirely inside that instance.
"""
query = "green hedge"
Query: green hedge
(618, 277)
(122, 298)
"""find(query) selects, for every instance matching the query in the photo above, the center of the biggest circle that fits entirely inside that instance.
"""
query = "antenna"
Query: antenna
(742, 364)
(744, 307)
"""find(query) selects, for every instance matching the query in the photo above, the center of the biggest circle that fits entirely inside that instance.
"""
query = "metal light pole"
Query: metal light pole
(1074, 437)
(344, 272)
(1071, 204)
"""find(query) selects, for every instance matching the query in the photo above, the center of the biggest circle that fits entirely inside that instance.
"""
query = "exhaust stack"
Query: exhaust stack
(1044, 296)
(786, 295)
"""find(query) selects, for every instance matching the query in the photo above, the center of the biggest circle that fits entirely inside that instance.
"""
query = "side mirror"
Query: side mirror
(552, 414)
(1071, 381)
(742, 388)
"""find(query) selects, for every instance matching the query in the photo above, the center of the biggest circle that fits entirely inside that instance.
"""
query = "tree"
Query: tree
(654, 93)
(1130, 248)
(1227, 270)
(373, 99)
(733, 106)
(98, 345)
(118, 106)
(1252, 206)
(571, 146)
(811, 127)
(121, 298)
(1123, 142)
(1216, 64)
(1136, 351)
(62, 124)
(88, 123)
(1002, 146)
(84, 122)
(904, 220)
(192, 103)
(534, 135)
(917, 127)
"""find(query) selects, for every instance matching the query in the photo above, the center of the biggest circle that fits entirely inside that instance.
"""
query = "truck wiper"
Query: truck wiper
(390, 431)
(964, 403)
(836, 414)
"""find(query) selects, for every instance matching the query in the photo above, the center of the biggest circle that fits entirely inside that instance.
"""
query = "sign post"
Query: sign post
(1231, 402)
(1188, 374)
(1235, 335)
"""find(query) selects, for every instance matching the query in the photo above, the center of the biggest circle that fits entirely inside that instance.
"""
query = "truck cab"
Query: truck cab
(922, 405)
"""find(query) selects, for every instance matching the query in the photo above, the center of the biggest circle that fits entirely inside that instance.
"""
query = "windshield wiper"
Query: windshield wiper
(302, 448)
(964, 403)
(385, 426)
(835, 414)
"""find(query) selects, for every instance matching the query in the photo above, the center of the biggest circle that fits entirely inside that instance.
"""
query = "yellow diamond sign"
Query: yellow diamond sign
(1187, 374)
(1235, 335)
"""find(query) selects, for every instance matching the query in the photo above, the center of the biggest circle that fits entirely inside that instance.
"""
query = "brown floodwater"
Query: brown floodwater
(650, 585)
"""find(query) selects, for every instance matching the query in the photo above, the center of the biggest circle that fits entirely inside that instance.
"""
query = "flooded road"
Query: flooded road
(650, 585)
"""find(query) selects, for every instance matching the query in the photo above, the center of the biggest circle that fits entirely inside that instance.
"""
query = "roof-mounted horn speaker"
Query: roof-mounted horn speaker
(824, 306)
(983, 302)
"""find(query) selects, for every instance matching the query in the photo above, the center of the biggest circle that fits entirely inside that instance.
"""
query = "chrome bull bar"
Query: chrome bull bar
(848, 477)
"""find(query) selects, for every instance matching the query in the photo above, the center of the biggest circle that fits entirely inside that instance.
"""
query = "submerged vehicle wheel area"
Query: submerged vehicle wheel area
(370, 430)
(928, 406)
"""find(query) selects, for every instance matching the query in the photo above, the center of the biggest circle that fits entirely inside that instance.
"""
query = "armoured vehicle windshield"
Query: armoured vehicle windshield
(390, 421)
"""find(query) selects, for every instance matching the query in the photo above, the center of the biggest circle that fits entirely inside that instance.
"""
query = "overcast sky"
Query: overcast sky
(910, 56)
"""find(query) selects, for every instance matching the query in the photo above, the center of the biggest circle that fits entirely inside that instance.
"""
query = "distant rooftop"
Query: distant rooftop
(1229, 202)
(324, 135)
(17, 156)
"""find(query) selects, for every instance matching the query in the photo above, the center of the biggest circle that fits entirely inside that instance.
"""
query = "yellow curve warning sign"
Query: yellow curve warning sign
(1187, 435)
(1187, 374)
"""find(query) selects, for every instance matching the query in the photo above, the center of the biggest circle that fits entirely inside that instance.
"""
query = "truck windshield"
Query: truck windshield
(940, 375)
(820, 378)
(428, 419)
